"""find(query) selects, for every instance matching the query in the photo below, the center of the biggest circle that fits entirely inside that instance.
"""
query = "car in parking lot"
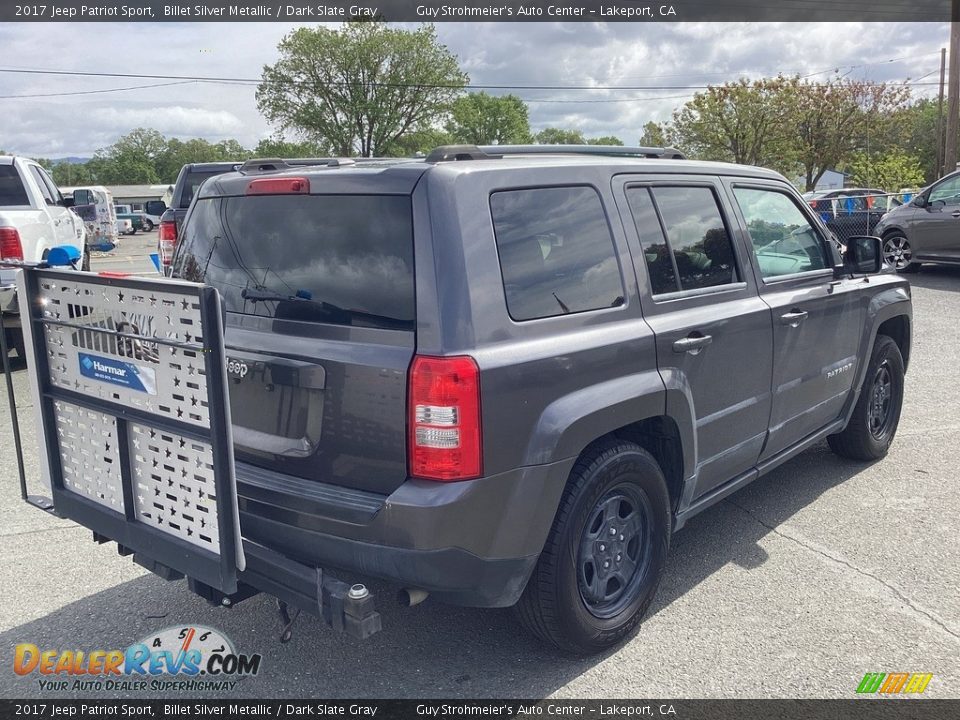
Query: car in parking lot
(506, 375)
(852, 211)
(927, 229)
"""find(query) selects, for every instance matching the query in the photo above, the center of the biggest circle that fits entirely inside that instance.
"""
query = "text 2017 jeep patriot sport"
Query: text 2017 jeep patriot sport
(506, 375)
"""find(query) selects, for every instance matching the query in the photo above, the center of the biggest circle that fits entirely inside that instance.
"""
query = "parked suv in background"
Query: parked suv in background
(927, 229)
(506, 375)
(190, 178)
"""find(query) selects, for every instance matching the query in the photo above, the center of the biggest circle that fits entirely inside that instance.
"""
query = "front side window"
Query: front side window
(556, 252)
(947, 192)
(784, 242)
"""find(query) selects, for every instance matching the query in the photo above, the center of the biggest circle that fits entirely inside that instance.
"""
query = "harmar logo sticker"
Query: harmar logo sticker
(119, 372)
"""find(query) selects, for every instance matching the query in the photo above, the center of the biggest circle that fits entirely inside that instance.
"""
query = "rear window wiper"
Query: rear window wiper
(253, 295)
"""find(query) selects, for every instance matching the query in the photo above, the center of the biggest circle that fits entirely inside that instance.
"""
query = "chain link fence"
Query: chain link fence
(847, 213)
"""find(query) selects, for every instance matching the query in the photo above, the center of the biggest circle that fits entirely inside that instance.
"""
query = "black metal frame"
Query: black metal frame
(218, 571)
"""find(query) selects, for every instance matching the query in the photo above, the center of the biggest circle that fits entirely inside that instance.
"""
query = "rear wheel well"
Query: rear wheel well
(660, 437)
(897, 329)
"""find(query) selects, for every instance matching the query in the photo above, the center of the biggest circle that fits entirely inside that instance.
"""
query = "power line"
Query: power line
(96, 92)
(344, 83)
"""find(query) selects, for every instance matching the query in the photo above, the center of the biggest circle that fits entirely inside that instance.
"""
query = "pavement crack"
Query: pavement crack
(894, 590)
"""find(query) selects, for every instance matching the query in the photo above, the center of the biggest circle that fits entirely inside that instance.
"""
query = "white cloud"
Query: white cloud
(618, 54)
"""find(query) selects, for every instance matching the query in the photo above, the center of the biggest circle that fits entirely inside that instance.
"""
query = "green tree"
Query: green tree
(277, 147)
(180, 152)
(605, 140)
(742, 122)
(482, 119)
(67, 174)
(560, 136)
(130, 160)
(890, 170)
(419, 142)
(654, 135)
(828, 122)
(361, 87)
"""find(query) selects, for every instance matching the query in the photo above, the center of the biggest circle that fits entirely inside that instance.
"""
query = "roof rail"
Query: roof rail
(447, 153)
(260, 165)
(264, 165)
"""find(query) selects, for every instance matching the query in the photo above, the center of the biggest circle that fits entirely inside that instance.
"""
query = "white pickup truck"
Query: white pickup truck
(33, 219)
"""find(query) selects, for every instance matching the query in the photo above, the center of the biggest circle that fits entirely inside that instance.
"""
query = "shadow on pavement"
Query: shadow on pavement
(936, 277)
(432, 650)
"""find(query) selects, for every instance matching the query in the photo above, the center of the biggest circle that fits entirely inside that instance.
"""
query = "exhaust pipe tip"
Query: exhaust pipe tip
(408, 597)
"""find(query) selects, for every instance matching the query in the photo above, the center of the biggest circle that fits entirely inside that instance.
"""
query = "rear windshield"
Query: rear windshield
(194, 180)
(12, 192)
(342, 259)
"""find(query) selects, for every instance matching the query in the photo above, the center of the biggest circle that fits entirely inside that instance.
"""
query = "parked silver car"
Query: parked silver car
(927, 229)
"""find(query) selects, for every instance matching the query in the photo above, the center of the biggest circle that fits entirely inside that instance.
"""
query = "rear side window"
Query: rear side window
(656, 252)
(12, 192)
(691, 249)
(341, 259)
(556, 252)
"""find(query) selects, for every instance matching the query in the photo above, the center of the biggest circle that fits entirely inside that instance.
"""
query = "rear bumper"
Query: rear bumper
(469, 543)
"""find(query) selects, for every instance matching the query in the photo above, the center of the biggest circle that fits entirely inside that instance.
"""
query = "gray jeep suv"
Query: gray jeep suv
(506, 375)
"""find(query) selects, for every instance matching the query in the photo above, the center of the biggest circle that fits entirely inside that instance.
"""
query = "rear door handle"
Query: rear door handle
(956, 213)
(692, 344)
(793, 318)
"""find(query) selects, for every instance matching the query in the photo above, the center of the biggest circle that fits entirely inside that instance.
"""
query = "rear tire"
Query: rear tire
(615, 510)
(147, 226)
(876, 416)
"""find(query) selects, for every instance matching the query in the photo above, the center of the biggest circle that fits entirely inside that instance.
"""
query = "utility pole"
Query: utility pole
(953, 91)
(943, 74)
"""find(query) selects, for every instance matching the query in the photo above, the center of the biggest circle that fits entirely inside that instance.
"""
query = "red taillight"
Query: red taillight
(444, 418)
(279, 186)
(10, 246)
(168, 241)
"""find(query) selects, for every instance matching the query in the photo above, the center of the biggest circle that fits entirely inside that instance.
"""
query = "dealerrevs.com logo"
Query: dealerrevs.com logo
(178, 658)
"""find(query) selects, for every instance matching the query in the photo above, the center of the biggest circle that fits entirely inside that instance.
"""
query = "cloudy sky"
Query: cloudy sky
(578, 54)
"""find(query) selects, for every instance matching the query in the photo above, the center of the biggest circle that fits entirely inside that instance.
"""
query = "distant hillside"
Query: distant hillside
(70, 160)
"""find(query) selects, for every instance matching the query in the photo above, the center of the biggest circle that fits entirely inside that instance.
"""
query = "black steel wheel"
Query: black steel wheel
(876, 415)
(604, 557)
(614, 550)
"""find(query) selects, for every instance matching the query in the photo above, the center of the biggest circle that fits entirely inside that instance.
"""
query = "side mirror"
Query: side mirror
(919, 201)
(155, 207)
(862, 255)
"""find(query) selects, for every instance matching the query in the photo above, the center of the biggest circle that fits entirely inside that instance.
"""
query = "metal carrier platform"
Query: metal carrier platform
(130, 385)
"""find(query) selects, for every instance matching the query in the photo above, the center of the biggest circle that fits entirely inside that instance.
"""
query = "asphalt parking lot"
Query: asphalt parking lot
(794, 587)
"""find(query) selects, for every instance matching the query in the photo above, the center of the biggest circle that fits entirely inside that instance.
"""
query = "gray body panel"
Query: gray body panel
(760, 392)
